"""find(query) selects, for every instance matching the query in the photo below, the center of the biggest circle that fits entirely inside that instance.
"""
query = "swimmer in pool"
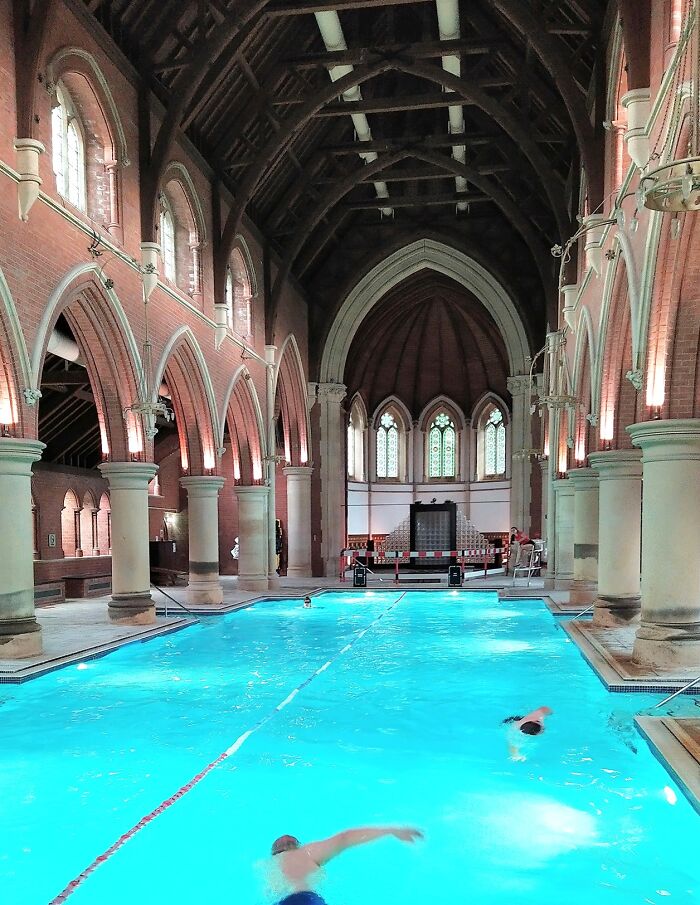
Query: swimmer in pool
(297, 865)
(529, 725)
(307, 603)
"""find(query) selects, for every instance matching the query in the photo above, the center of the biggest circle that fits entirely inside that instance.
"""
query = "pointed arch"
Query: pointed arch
(15, 368)
(182, 228)
(420, 255)
(290, 388)
(70, 524)
(242, 415)
(442, 402)
(490, 419)
(356, 440)
(107, 345)
(179, 172)
(183, 369)
(391, 427)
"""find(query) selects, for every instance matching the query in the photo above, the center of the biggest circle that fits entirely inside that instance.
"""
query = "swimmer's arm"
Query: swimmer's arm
(536, 715)
(323, 851)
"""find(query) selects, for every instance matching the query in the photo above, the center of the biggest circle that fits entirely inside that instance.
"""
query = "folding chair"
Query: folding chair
(532, 565)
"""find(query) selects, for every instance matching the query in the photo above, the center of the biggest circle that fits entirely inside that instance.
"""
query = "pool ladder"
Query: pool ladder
(181, 605)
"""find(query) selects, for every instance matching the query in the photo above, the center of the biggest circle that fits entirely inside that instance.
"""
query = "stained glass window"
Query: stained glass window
(67, 152)
(495, 444)
(167, 241)
(387, 447)
(442, 452)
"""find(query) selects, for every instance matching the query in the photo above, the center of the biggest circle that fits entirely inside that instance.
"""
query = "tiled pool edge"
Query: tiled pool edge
(96, 652)
(673, 756)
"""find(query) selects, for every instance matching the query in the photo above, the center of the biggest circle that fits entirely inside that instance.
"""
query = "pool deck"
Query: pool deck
(676, 743)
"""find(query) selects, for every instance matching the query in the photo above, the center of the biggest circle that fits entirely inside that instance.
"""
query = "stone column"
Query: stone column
(271, 475)
(548, 493)
(20, 633)
(299, 520)
(620, 534)
(585, 481)
(204, 585)
(131, 601)
(252, 537)
(563, 531)
(521, 443)
(669, 632)
(333, 511)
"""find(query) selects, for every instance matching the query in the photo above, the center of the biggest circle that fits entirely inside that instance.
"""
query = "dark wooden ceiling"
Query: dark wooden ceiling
(249, 83)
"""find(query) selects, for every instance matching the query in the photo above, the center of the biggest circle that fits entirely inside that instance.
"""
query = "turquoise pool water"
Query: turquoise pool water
(402, 728)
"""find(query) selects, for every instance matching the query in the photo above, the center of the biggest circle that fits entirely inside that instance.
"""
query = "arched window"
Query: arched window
(442, 447)
(167, 239)
(241, 295)
(356, 442)
(388, 447)
(68, 151)
(494, 444)
(228, 298)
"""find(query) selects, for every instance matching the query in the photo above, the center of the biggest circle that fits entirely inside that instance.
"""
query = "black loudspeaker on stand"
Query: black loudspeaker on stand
(359, 576)
(454, 577)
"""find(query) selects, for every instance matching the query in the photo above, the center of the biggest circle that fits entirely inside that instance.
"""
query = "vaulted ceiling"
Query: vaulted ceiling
(428, 336)
(345, 128)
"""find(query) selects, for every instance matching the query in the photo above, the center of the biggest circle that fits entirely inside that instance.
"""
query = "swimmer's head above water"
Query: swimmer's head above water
(285, 844)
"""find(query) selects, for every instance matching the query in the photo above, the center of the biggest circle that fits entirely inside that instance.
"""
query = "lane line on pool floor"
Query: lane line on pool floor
(232, 749)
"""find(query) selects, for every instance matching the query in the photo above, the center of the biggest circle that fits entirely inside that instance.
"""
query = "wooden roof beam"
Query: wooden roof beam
(358, 56)
(415, 201)
(292, 8)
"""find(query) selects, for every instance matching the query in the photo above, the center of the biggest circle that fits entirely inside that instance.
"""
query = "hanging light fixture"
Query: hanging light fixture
(148, 405)
(675, 186)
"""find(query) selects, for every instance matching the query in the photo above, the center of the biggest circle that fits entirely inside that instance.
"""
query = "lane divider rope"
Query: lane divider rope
(232, 749)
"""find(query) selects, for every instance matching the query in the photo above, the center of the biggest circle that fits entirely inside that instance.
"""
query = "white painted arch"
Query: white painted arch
(420, 255)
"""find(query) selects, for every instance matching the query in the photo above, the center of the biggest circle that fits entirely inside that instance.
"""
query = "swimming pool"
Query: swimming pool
(404, 727)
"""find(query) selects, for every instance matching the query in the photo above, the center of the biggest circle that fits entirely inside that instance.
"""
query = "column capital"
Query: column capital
(583, 478)
(677, 439)
(128, 475)
(299, 471)
(563, 485)
(18, 455)
(254, 491)
(613, 464)
(519, 384)
(331, 392)
(202, 485)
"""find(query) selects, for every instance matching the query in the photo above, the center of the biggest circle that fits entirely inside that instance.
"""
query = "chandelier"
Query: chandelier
(675, 186)
(148, 405)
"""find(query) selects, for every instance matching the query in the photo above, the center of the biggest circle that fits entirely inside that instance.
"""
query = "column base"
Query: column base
(299, 571)
(205, 591)
(612, 612)
(132, 609)
(20, 638)
(273, 581)
(253, 583)
(668, 646)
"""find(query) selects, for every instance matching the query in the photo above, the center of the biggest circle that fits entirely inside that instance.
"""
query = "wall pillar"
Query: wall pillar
(131, 601)
(271, 442)
(620, 535)
(563, 530)
(299, 520)
(252, 537)
(548, 492)
(521, 442)
(585, 532)
(669, 631)
(20, 633)
(204, 585)
(333, 503)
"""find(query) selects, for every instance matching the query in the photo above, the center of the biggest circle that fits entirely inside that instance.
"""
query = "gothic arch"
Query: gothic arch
(290, 386)
(434, 406)
(15, 369)
(243, 415)
(178, 171)
(183, 369)
(424, 253)
(401, 409)
(109, 349)
(484, 402)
